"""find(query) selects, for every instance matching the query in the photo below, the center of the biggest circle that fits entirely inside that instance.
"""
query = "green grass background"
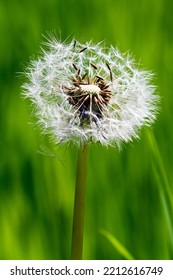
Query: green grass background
(129, 193)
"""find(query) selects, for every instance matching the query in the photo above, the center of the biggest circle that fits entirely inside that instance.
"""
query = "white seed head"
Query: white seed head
(83, 92)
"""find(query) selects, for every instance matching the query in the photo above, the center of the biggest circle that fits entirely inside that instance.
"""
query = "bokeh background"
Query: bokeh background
(129, 193)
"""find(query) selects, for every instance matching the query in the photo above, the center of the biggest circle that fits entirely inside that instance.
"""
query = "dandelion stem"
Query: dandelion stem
(79, 204)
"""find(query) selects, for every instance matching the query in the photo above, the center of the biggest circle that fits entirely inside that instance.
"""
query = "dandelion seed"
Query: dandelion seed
(87, 93)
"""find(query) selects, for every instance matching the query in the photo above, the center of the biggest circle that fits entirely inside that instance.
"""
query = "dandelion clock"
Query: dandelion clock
(84, 94)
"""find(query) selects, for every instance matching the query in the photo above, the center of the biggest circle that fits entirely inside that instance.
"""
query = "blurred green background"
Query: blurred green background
(129, 193)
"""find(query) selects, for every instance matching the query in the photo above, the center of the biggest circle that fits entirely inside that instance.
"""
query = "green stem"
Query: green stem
(79, 204)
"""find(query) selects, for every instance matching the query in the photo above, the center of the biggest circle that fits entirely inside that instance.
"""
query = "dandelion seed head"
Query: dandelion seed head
(85, 92)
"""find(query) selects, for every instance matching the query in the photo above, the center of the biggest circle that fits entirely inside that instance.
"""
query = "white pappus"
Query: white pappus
(89, 93)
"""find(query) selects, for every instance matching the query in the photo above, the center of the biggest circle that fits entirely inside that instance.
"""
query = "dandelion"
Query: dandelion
(86, 93)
